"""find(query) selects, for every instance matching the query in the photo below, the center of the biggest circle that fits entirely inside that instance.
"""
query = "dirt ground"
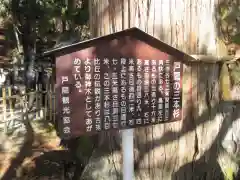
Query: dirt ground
(40, 159)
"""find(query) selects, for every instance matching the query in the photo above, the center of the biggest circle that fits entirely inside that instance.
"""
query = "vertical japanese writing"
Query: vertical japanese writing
(106, 95)
(139, 82)
(66, 111)
(115, 96)
(160, 90)
(153, 90)
(176, 105)
(123, 91)
(77, 73)
(146, 90)
(120, 93)
(97, 92)
(167, 89)
(131, 92)
(88, 93)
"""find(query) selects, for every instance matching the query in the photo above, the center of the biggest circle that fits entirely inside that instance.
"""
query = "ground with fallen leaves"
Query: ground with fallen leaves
(33, 158)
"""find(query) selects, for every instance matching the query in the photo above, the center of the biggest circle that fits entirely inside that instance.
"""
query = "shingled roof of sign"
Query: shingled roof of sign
(133, 32)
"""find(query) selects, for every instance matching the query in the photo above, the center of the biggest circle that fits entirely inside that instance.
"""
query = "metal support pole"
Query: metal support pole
(128, 156)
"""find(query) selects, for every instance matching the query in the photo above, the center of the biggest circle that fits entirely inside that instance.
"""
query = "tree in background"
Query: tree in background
(36, 25)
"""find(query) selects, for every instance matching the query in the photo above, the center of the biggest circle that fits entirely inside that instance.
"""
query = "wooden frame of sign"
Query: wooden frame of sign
(123, 80)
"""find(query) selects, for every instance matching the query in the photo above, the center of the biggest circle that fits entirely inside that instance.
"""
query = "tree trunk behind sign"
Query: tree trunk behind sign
(190, 149)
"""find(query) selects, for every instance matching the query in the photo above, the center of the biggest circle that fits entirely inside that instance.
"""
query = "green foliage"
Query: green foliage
(229, 78)
(46, 18)
(236, 39)
(225, 83)
(234, 73)
(229, 174)
(228, 21)
(81, 17)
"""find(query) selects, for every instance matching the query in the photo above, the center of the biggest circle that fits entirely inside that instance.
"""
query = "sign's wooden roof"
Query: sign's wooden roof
(116, 67)
(132, 32)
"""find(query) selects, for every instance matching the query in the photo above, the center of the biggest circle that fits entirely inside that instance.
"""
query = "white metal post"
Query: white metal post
(128, 156)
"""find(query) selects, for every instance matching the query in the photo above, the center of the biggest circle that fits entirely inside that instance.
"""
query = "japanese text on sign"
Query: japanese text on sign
(66, 118)
(123, 92)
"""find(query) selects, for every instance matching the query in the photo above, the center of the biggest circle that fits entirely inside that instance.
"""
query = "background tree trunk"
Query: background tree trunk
(190, 149)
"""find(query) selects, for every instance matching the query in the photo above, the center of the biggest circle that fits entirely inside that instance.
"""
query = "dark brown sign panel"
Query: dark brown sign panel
(116, 84)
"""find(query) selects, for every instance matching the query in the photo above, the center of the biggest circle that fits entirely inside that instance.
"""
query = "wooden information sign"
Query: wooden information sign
(124, 80)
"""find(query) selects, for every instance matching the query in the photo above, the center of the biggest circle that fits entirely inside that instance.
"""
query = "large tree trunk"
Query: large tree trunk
(190, 149)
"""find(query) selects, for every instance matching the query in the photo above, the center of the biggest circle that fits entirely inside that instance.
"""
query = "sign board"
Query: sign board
(124, 80)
